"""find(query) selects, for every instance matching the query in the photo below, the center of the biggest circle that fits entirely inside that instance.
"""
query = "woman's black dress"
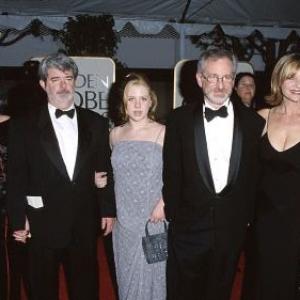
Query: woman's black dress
(278, 223)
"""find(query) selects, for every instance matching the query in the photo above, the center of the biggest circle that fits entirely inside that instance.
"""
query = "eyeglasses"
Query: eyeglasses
(214, 78)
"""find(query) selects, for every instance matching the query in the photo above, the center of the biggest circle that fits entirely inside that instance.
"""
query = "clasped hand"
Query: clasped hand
(23, 234)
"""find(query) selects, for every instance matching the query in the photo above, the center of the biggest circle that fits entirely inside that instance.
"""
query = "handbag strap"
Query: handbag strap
(146, 227)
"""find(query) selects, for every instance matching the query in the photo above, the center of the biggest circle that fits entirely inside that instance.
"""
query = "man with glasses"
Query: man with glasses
(210, 171)
(52, 201)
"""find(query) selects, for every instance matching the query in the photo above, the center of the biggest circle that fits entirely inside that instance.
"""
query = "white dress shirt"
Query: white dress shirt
(219, 134)
(66, 130)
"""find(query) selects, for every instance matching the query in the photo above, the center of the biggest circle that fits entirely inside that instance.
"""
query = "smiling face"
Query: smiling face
(290, 87)
(137, 101)
(285, 80)
(60, 87)
(222, 69)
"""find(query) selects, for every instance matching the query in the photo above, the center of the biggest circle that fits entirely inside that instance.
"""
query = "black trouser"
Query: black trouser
(196, 269)
(250, 281)
(18, 268)
(80, 267)
(107, 242)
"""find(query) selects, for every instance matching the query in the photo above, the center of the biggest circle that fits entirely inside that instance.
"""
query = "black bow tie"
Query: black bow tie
(210, 113)
(69, 113)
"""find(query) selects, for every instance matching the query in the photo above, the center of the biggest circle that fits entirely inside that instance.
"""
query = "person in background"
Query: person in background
(25, 89)
(137, 167)
(245, 88)
(52, 201)
(210, 152)
(13, 255)
(277, 226)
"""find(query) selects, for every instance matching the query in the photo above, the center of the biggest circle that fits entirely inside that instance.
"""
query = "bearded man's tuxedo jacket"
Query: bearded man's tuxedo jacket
(71, 208)
(207, 229)
(65, 227)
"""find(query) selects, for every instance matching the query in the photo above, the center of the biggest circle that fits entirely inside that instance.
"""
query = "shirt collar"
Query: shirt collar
(52, 108)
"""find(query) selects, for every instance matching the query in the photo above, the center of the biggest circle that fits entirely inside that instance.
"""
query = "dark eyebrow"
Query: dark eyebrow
(59, 77)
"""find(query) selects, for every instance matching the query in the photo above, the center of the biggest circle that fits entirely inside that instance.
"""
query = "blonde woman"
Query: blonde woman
(137, 166)
(278, 219)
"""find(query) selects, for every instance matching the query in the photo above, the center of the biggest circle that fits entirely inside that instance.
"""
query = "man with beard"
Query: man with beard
(210, 167)
(53, 203)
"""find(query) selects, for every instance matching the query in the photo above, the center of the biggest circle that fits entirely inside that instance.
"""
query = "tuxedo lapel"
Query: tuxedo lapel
(236, 148)
(84, 139)
(236, 151)
(201, 149)
(50, 142)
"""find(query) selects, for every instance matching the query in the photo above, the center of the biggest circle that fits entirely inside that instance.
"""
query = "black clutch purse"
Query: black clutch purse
(155, 246)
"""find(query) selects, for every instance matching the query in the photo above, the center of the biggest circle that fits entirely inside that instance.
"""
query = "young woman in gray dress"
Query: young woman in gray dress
(137, 165)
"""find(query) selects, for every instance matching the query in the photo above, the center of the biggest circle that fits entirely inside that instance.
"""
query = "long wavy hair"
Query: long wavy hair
(284, 69)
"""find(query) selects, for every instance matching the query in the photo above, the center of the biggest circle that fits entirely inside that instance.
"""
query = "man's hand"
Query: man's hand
(107, 225)
(101, 179)
(22, 235)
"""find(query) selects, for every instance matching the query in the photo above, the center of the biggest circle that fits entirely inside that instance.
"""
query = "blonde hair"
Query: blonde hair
(141, 80)
(284, 69)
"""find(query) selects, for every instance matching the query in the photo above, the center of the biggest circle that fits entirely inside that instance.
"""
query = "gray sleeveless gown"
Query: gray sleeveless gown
(137, 167)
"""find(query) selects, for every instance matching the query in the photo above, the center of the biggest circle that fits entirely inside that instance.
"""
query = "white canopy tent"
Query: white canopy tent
(279, 13)
(274, 19)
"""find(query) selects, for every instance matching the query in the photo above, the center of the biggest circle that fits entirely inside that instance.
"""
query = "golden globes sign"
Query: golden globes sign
(95, 77)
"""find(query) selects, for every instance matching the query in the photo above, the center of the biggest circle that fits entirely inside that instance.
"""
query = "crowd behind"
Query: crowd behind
(222, 173)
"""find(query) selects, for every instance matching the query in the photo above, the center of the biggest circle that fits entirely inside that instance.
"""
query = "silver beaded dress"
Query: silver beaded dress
(137, 167)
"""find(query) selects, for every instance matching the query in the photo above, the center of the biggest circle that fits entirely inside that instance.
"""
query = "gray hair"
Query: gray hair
(58, 61)
(214, 54)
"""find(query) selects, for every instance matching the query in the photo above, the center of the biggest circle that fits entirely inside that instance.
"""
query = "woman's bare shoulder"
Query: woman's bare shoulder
(159, 125)
(264, 113)
(4, 118)
(116, 134)
(160, 130)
